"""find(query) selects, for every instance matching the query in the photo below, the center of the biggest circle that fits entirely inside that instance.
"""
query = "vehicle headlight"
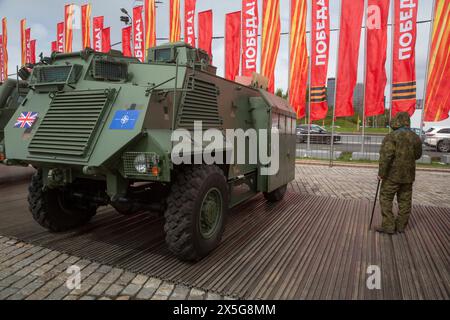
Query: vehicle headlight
(140, 164)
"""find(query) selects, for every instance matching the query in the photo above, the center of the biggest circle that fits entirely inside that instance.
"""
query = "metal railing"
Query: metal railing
(352, 147)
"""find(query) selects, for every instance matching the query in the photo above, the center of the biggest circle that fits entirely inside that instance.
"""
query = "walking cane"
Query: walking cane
(375, 204)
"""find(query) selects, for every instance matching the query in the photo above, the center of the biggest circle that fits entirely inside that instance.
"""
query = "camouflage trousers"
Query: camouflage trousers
(404, 192)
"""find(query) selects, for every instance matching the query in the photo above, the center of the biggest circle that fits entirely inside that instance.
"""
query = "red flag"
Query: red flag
(23, 41)
(150, 24)
(126, 41)
(349, 40)
(28, 45)
(189, 22)
(54, 46)
(106, 40)
(250, 22)
(437, 103)
(175, 21)
(5, 47)
(2, 62)
(232, 44)
(33, 51)
(60, 37)
(138, 24)
(376, 48)
(98, 30)
(86, 25)
(298, 58)
(270, 40)
(205, 31)
(68, 24)
(319, 58)
(404, 57)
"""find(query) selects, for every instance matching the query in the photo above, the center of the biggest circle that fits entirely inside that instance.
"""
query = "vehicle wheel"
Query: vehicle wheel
(443, 146)
(52, 211)
(276, 195)
(196, 212)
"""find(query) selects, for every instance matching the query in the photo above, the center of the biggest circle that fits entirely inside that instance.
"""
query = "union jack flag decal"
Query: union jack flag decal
(26, 120)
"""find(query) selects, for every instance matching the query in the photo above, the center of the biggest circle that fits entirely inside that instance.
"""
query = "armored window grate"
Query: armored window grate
(56, 74)
(110, 70)
(68, 126)
(200, 104)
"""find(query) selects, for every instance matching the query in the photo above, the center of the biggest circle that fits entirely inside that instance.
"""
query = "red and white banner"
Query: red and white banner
(60, 37)
(126, 41)
(404, 98)
(298, 58)
(54, 46)
(98, 30)
(5, 47)
(320, 56)
(376, 54)
(23, 43)
(437, 103)
(106, 40)
(205, 31)
(33, 51)
(189, 22)
(150, 24)
(352, 13)
(68, 24)
(28, 45)
(250, 23)
(232, 44)
(2, 61)
(86, 26)
(175, 21)
(138, 28)
(271, 33)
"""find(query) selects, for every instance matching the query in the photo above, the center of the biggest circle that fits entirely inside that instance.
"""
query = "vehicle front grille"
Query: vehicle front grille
(68, 127)
(200, 104)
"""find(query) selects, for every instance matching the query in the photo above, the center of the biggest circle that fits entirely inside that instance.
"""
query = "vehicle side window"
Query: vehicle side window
(444, 131)
(275, 118)
(288, 125)
(282, 124)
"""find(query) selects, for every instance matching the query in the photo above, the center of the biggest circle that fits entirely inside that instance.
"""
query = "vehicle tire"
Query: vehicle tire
(51, 210)
(276, 195)
(443, 146)
(196, 212)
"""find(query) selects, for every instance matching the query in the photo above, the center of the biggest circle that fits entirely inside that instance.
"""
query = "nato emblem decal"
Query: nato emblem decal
(124, 120)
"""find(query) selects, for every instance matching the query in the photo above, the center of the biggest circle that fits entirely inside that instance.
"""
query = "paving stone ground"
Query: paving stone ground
(34, 273)
(29, 272)
(430, 189)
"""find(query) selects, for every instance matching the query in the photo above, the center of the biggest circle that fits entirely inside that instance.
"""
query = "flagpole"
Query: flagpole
(309, 78)
(333, 121)
(392, 61)
(425, 86)
(365, 77)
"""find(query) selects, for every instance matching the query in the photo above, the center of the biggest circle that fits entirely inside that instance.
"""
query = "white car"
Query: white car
(437, 137)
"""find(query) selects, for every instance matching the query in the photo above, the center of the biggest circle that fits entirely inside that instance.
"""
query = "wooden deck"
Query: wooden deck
(305, 247)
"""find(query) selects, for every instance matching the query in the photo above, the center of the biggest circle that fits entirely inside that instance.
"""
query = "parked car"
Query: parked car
(318, 134)
(437, 137)
(420, 133)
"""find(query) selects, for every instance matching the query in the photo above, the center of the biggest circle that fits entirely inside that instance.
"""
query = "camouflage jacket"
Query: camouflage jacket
(399, 152)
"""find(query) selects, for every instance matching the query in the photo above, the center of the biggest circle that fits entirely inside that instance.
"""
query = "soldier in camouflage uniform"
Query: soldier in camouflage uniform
(398, 156)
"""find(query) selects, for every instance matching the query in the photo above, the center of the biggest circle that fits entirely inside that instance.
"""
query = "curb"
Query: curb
(358, 165)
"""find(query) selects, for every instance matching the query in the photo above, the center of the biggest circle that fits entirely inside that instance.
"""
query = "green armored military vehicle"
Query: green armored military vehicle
(99, 129)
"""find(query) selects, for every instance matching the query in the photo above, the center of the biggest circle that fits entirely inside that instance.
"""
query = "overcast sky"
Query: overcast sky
(42, 16)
